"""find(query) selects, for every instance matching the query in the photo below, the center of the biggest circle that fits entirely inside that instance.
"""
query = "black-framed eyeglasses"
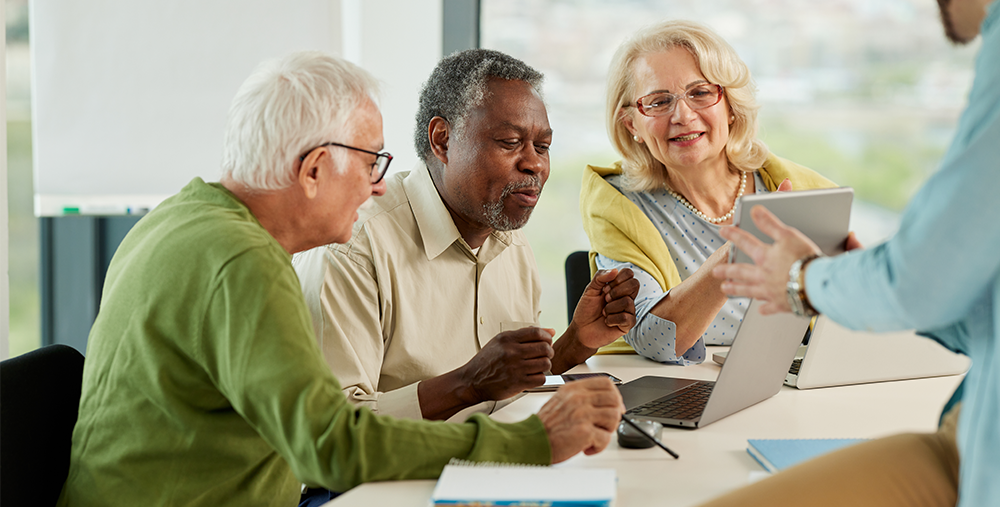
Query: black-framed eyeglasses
(698, 96)
(379, 168)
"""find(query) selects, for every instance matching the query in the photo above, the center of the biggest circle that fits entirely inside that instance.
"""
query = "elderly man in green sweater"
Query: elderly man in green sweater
(203, 382)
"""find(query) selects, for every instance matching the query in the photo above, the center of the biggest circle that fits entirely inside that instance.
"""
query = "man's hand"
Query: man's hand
(510, 363)
(607, 308)
(767, 278)
(582, 416)
(606, 311)
(852, 242)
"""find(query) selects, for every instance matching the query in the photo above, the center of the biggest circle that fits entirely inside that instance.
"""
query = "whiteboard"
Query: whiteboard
(129, 98)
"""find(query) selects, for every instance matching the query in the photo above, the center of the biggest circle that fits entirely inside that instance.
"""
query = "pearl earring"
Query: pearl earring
(635, 138)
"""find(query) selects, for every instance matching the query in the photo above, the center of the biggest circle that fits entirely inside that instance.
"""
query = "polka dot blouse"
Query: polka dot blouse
(690, 241)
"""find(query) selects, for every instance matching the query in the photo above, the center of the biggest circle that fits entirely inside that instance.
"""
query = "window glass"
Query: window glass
(867, 92)
(25, 334)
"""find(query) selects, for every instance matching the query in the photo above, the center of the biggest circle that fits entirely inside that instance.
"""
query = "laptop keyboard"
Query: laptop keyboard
(794, 368)
(684, 404)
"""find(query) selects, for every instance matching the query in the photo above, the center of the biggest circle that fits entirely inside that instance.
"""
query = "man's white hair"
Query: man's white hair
(286, 107)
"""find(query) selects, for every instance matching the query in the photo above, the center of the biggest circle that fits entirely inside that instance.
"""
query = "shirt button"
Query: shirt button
(482, 321)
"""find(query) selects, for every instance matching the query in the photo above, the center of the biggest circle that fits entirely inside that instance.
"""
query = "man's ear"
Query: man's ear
(439, 133)
(310, 171)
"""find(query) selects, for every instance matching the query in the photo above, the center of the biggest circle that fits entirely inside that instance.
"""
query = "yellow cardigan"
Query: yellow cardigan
(619, 230)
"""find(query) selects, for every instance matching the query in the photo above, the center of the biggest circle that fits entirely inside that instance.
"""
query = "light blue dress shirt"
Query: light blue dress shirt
(941, 272)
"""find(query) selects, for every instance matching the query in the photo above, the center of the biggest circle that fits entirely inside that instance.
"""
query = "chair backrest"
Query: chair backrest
(577, 279)
(39, 399)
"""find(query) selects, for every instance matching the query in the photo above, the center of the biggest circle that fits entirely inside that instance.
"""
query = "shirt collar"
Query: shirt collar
(437, 229)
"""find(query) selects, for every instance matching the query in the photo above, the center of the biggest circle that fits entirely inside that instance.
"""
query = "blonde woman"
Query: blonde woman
(681, 113)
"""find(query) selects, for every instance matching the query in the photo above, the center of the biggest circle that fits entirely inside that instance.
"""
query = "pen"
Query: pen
(650, 437)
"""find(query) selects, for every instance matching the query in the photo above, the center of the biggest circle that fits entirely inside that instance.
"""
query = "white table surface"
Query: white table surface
(713, 459)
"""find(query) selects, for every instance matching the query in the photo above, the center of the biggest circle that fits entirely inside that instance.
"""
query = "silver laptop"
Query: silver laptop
(763, 348)
(837, 356)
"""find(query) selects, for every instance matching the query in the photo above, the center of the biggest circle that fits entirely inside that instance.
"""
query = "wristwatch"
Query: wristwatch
(796, 288)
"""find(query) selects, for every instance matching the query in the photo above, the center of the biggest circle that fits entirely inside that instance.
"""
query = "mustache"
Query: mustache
(532, 181)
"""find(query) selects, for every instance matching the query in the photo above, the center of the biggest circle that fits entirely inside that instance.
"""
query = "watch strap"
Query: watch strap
(796, 288)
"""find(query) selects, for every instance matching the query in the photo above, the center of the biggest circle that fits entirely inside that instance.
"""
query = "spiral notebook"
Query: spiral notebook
(467, 483)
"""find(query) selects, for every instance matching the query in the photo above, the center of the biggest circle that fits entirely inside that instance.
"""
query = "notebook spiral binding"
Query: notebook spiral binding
(468, 463)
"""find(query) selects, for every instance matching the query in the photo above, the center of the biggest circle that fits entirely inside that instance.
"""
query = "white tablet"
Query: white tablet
(823, 215)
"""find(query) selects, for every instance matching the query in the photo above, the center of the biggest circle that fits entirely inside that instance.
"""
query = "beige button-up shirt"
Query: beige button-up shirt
(407, 299)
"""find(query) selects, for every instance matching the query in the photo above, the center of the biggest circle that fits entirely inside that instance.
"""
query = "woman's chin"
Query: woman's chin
(695, 159)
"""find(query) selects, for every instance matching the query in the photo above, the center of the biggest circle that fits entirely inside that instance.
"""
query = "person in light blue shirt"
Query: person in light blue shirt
(940, 274)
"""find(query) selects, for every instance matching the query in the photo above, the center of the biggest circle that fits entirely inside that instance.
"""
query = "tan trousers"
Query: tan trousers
(914, 469)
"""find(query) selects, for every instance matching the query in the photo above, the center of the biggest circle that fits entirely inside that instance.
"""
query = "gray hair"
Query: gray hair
(458, 84)
(286, 107)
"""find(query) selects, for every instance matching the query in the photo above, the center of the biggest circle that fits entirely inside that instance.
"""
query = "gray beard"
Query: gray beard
(493, 211)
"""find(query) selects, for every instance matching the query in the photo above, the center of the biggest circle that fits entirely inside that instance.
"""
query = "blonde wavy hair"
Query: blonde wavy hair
(718, 62)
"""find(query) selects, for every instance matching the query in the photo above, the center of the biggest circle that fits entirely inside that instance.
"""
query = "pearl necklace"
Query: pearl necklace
(723, 218)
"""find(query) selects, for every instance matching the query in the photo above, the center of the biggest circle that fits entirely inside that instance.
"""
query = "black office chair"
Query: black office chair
(39, 399)
(577, 279)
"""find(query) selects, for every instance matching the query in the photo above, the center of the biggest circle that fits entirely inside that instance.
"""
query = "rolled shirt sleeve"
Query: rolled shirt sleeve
(945, 256)
(653, 337)
(940, 274)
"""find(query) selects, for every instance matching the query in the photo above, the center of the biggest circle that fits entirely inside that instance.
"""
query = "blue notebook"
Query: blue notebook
(775, 455)
(478, 484)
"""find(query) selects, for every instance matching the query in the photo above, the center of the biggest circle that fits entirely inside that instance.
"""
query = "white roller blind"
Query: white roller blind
(130, 97)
